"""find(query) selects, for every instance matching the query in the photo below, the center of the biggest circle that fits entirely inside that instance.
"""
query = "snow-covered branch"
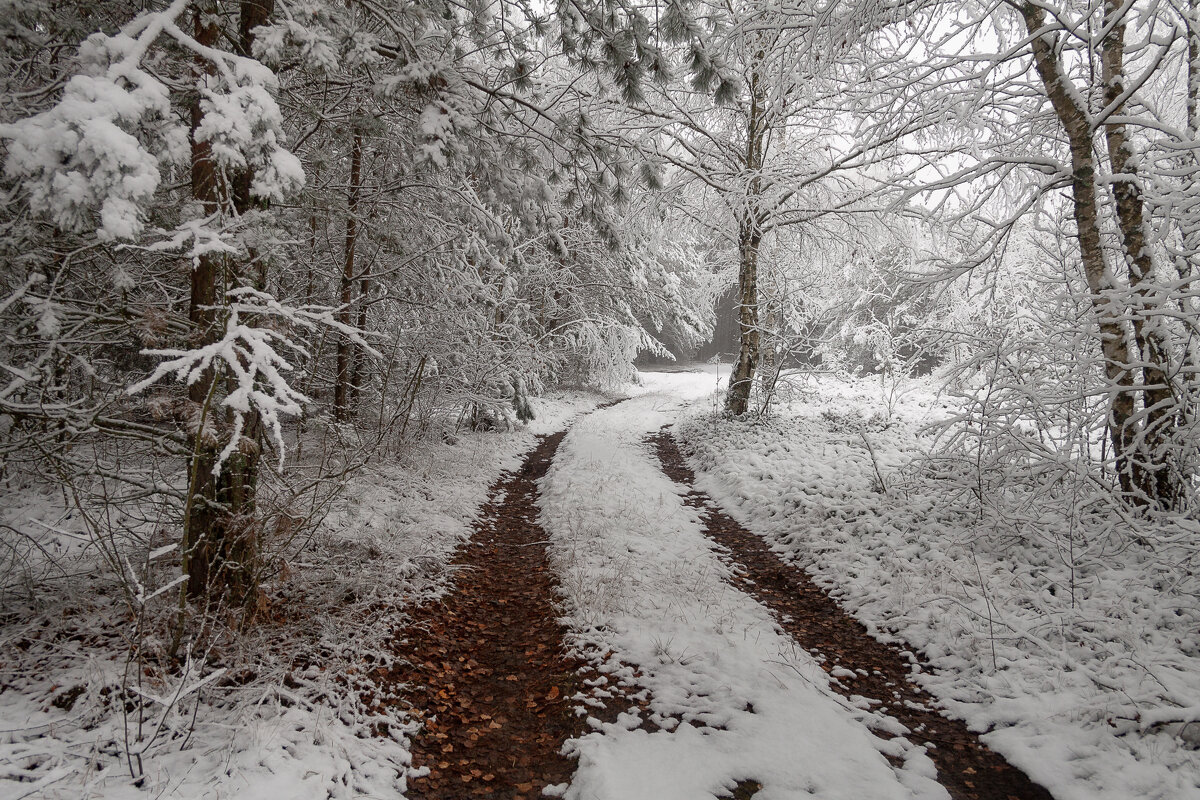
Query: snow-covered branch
(248, 352)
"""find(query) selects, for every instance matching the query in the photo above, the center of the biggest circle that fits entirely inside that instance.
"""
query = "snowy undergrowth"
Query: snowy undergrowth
(1070, 649)
(292, 709)
(709, 691)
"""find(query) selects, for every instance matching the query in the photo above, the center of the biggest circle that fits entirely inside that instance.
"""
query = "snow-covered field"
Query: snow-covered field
(292, 715)
(1067, 642)
(647, 600)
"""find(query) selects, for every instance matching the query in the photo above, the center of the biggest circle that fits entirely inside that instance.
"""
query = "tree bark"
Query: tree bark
(360, 355)
(341, 389)
(359, 373)
(220, 542)
(742, 380)
(750, 236)
(1189, 257)
(1157, 475)
(1109, 301)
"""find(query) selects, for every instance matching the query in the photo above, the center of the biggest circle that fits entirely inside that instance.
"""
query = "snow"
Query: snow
(77, 158)
(437, 130)
(249, 355)
(1067, 656)
(94, 160)
(648, 603)
(243, 125)
(1082, 671)
(297, 731)
(421, 507)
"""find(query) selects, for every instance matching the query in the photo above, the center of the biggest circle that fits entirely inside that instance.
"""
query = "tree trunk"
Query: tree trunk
(742, 380)
(341, 389)
(750, 235)
(1156, 474)
(769, 338)
(1188, 258)
(360, 355)
(1124, 424)
(1192, 22)
(220, 545)
(359, 373)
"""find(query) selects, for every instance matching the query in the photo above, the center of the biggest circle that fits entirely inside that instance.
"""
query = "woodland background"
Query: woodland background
(249, 248)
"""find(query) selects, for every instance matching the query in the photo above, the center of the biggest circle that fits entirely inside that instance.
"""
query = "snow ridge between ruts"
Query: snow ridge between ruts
(731, 698)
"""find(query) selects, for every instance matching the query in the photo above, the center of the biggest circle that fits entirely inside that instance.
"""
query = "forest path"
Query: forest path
(486, 664)
(865, 667)
(710, 668)
(697, 693)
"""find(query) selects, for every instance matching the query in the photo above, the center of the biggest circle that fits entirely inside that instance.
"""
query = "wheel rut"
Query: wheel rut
(967, 768)
(486, 664)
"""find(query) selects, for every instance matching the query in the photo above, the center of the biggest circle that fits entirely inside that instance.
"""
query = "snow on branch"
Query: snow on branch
(205, 240)
(250, 355)
(94, 160)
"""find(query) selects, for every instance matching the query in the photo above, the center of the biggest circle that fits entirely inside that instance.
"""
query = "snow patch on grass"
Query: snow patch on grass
(295, 707)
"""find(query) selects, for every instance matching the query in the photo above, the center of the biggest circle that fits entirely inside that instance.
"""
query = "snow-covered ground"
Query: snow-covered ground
(1070, 657)
(1067, 642)
(295, 730)
(730, 698)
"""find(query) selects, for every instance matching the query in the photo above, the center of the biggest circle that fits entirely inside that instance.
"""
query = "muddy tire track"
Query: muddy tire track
(967, 768)
(486, 666)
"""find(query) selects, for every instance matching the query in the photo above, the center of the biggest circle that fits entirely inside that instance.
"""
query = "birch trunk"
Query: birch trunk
(750, 236)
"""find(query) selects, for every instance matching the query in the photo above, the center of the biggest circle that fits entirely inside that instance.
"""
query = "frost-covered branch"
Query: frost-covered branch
(94, 160)
(249, 353)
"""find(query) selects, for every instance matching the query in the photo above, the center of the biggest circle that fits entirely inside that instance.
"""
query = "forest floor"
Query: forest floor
(641, 601)
(486, 664)
(495, 689)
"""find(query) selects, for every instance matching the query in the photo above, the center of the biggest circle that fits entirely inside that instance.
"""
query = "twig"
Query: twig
(874, 462)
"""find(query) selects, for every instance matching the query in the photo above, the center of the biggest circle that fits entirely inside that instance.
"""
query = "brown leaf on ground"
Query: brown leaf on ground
(494, 669)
